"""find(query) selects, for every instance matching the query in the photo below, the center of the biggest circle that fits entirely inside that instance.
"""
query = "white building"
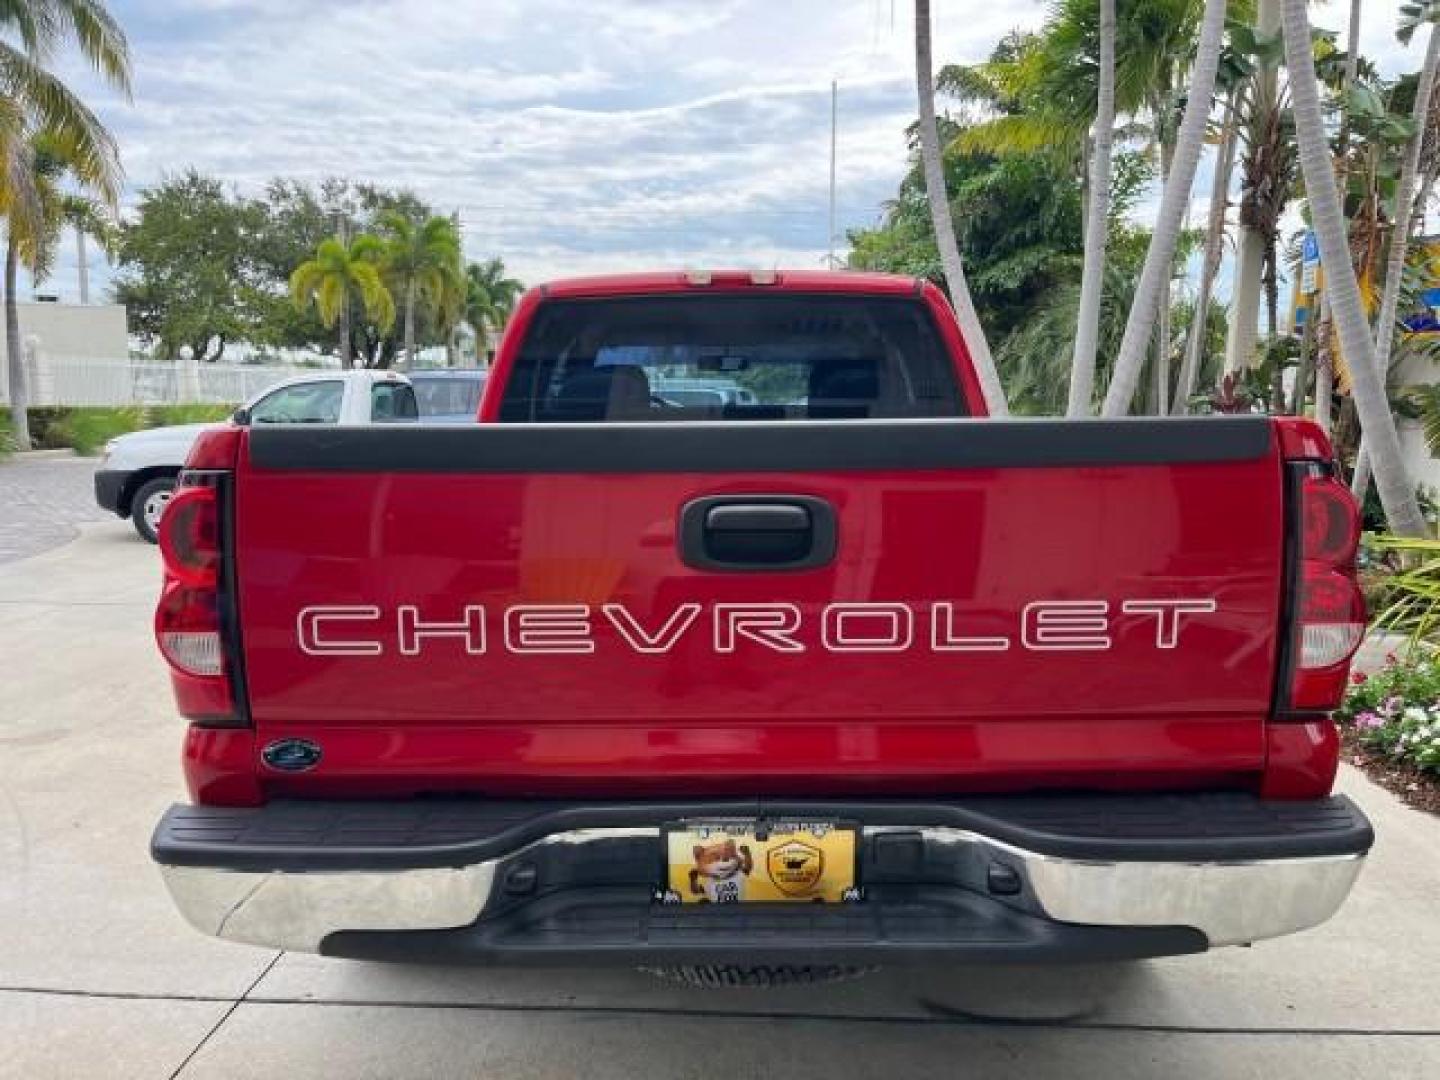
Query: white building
(64, 333)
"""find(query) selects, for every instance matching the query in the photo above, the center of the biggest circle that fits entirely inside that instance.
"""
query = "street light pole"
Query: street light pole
(834, 108)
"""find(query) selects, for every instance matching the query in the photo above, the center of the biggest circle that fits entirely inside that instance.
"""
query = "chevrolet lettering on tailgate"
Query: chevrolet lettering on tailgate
(1043, 626)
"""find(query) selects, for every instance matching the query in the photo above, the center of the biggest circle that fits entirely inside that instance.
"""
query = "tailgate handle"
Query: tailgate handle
(758, 517)
(757, 532)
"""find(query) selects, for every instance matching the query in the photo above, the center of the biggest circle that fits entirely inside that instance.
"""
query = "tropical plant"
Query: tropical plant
(1368, 390)
(1153, 291)
(33, 99)
(422, 265)
(976, 342)
(490, 297)
(1412, 593)
(1039, 93)
(339, 276)
(1406, 210)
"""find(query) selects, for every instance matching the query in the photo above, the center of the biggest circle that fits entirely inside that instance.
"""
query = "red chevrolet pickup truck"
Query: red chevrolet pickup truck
(808, 663)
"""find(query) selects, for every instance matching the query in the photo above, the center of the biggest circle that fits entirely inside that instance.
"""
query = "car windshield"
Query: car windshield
(742, 357)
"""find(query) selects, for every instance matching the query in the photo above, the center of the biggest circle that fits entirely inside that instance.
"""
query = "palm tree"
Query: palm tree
(30, 241)
(90, 220)
(1155, 276)
(1397, 495)
(1210, 265)
(341, 274)
(1082, 364)
(489, 298)
(1262, 119)
(974, 333)
(1324, 360)
(32, 99)
(422, 263)
(1406, 207)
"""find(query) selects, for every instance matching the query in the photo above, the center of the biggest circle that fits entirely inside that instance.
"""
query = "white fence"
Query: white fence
(71, 381)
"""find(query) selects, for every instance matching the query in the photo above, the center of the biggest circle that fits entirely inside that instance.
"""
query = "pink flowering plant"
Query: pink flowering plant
(1396, 711)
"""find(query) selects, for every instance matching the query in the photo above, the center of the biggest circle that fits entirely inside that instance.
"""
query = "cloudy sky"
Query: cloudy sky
(570, 135)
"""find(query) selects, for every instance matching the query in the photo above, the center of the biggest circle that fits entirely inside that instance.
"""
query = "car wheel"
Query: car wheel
(149, 503)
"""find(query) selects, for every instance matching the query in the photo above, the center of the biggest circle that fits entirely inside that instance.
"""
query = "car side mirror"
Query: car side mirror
(240, 417)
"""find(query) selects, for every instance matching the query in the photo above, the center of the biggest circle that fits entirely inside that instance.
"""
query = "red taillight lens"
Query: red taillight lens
(1330, 608)
(1330, 521)
(189, 537)
(188, 623)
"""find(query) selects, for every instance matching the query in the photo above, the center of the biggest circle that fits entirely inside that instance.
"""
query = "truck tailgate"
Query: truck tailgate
(522, 609)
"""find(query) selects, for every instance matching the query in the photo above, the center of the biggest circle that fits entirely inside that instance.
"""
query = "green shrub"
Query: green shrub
(1396, 711)
(91, 429)
(7, 435)
(199, 413)
(87, 429)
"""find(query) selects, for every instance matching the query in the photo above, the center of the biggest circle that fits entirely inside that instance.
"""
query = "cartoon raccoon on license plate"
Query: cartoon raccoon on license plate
(737, 862)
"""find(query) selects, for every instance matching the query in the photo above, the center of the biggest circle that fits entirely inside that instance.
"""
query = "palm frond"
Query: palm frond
(101, 39)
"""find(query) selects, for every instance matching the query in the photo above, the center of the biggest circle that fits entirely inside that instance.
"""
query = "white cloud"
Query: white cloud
(571, 136)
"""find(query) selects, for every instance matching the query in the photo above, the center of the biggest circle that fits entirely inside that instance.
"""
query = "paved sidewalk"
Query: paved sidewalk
(99, 977)
(42, 500)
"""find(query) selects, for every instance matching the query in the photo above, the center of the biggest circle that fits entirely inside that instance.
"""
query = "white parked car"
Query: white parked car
(137, 472)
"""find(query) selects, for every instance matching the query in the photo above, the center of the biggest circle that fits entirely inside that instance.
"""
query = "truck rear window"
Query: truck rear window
(730, 357)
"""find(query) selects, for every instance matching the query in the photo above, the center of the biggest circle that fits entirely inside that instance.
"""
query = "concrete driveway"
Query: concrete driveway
(99, 977)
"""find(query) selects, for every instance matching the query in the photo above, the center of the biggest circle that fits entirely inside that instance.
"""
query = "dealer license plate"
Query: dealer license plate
(734, 862)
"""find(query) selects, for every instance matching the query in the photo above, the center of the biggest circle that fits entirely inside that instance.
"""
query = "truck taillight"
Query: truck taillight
(187, 626)
(1329, 607)
(189, 622)
(189, 536)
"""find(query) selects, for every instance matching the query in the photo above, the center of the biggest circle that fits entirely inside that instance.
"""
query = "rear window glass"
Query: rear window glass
(448, 395)
(719, 357)
(390, 402)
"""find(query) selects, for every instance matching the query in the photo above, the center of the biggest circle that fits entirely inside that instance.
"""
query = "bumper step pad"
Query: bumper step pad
(896, 924)
(314, 836)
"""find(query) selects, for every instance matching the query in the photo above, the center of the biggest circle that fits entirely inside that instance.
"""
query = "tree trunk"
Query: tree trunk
(82, 264)
(410, 323)
(1397, 494)
(1162, 316)
(15, 353)
(1324, 352)
(1250, 243)
(1403, 220)
(938, 196)
(347, 355)
(1155, 276)
(1210, 267)
(1092, 280)
(1305, 366)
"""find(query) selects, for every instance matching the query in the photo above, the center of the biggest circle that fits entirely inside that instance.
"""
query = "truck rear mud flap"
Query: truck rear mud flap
(993, 879)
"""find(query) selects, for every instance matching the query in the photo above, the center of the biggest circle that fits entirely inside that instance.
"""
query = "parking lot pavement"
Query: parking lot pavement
(99, 976)
(42, 500)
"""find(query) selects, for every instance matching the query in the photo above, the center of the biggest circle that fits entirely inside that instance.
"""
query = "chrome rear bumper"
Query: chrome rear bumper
(1229, 902)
